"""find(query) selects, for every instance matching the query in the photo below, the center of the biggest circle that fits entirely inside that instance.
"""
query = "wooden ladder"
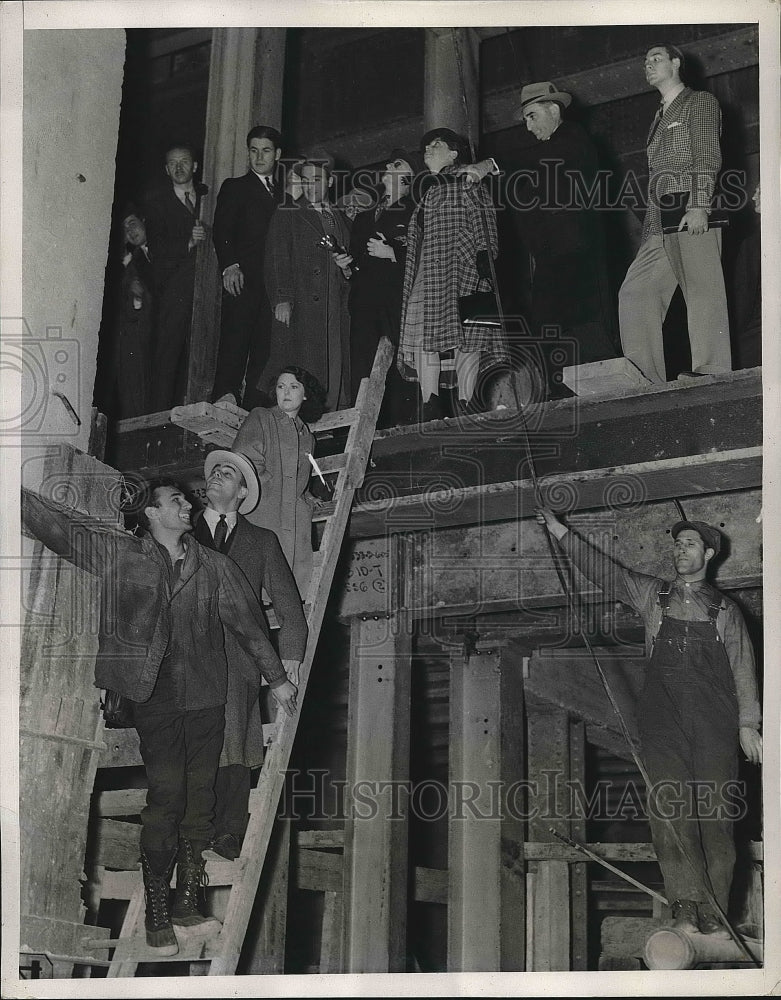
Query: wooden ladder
(222, 951)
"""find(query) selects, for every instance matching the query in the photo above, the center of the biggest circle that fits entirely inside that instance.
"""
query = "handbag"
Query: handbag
(117, 710)
(479, 308)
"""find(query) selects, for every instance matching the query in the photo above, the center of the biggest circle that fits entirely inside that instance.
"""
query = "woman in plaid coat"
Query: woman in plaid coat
(447, 259)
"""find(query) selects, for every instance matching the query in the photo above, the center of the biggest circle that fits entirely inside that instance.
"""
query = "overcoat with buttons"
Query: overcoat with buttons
(300, 271)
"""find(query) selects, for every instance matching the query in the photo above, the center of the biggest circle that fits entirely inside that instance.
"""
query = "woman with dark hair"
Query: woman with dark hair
(279, 442)
(451, 233)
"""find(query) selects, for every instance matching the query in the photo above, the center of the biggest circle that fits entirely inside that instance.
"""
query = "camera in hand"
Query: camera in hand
(331, 244)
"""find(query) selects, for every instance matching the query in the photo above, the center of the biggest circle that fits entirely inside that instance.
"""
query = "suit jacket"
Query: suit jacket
(241, 219)
(140, 614)
(259, 556)
(169, 226)
(683, 153)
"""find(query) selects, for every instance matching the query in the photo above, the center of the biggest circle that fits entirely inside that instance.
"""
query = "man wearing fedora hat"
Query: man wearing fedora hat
(699, 702)
(232, 490)
(563, 234)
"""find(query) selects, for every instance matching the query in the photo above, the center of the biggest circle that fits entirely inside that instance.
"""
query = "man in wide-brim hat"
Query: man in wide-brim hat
(570, 289)
(232, 490)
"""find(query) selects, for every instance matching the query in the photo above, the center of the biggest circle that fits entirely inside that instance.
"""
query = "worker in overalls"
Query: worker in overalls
(698, 702)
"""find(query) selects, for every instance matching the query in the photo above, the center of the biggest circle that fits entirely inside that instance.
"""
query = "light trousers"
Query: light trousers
(661, 265)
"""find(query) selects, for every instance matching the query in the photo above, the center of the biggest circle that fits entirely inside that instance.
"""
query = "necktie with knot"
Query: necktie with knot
(220, 533)
(329, 223)
(270, 185)
(189, 202)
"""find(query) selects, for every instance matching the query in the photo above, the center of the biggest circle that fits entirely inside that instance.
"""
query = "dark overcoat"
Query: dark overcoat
(301, 272)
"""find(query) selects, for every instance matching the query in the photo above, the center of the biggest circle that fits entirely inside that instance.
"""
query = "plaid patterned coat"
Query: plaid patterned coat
(683, 153)
(445, 234)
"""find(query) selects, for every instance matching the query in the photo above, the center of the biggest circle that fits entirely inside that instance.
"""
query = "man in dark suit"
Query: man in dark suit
(174, 231)
(232, 490)
(241, 220)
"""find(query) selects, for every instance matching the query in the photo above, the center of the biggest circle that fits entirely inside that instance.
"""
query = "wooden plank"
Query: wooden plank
(121, 749)
(487, 884)
(318, 871)
(122, 802)
(551, 917)
(320, 838)
(375, 845)
(690, 475)
(723, 53)
(557, 851)
(117, 844)
(264, 948)
(332, 933)
(463, 571)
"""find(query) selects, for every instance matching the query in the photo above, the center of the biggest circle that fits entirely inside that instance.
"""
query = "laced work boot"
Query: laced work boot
(685, 916)
(188, 898)
(157, 923)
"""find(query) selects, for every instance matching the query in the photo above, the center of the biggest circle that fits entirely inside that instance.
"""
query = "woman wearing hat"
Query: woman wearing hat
(379, 249)
(450, 233)
(278, 442)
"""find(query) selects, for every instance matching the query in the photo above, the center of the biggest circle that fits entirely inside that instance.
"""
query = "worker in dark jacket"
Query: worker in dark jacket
(699, 701)
(165, 600)
(232, 490)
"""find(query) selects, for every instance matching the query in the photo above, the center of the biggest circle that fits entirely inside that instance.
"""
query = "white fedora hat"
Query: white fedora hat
(245, 467)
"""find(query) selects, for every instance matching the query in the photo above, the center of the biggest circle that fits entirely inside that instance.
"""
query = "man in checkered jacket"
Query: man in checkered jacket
(684, 159)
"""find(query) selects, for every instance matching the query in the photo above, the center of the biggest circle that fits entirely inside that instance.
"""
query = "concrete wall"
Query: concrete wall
(72, 96)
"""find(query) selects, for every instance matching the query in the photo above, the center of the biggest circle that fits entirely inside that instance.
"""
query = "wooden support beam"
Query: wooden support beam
(727, 52)
(486, 899)
(578, 872)
(228, 110)
(548, 804)
(375, 843)
(60, 728)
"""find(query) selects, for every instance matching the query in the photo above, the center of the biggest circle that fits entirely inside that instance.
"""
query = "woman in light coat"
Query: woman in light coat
(279, 442)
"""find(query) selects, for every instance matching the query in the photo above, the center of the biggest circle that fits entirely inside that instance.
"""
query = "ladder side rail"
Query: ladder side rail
(224, 957)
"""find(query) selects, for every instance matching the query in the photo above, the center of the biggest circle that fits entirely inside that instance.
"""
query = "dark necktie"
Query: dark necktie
(220, 533)
(329, 223)
(270, 186)
(189, 202)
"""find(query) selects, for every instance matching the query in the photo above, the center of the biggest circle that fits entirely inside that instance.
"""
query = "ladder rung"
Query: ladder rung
(339, 418)
(324, 511)
(332, 463)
